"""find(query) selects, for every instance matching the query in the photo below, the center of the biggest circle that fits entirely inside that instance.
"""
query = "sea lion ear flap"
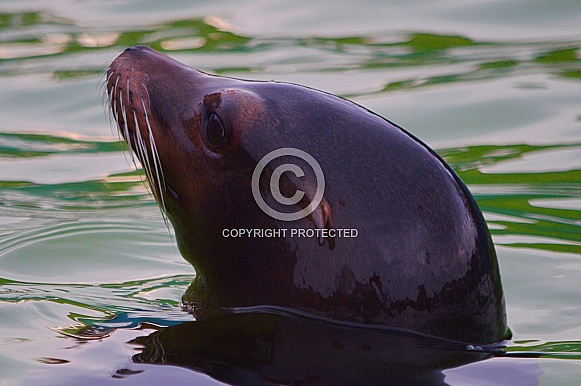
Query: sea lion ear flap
(322, 220)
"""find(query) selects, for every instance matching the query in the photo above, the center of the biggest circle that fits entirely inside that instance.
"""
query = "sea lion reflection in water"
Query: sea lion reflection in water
(422, 258)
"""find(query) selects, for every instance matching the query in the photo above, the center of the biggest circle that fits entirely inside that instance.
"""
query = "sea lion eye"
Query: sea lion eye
(215, 131)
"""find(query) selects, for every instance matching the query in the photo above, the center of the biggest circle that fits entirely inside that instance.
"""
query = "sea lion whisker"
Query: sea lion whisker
(123, 129)
(116, 105)
(113, 89)
(106, 73)
(104, 97)
(146, 91)
(143, 154)
(145, 161)
(123, 113)
(108, 87)
(160, 178)
(126, 127)
(142, 147)
(107, 99)
(103, 83)
(111, 105)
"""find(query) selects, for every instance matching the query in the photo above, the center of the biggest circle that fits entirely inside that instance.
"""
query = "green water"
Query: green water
(493, 86)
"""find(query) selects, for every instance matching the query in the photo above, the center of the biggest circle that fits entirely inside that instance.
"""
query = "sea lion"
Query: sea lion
(394, 239)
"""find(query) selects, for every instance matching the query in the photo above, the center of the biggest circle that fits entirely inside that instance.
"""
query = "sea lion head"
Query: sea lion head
(199, 138)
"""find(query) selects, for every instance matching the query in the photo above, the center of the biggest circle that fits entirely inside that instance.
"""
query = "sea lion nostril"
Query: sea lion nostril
(136, 48)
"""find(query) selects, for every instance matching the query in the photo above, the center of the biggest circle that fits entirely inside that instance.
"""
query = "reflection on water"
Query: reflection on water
(257, 345)
(83, 248)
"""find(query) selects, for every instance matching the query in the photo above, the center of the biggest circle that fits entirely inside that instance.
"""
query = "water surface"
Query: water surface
(493, 86)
